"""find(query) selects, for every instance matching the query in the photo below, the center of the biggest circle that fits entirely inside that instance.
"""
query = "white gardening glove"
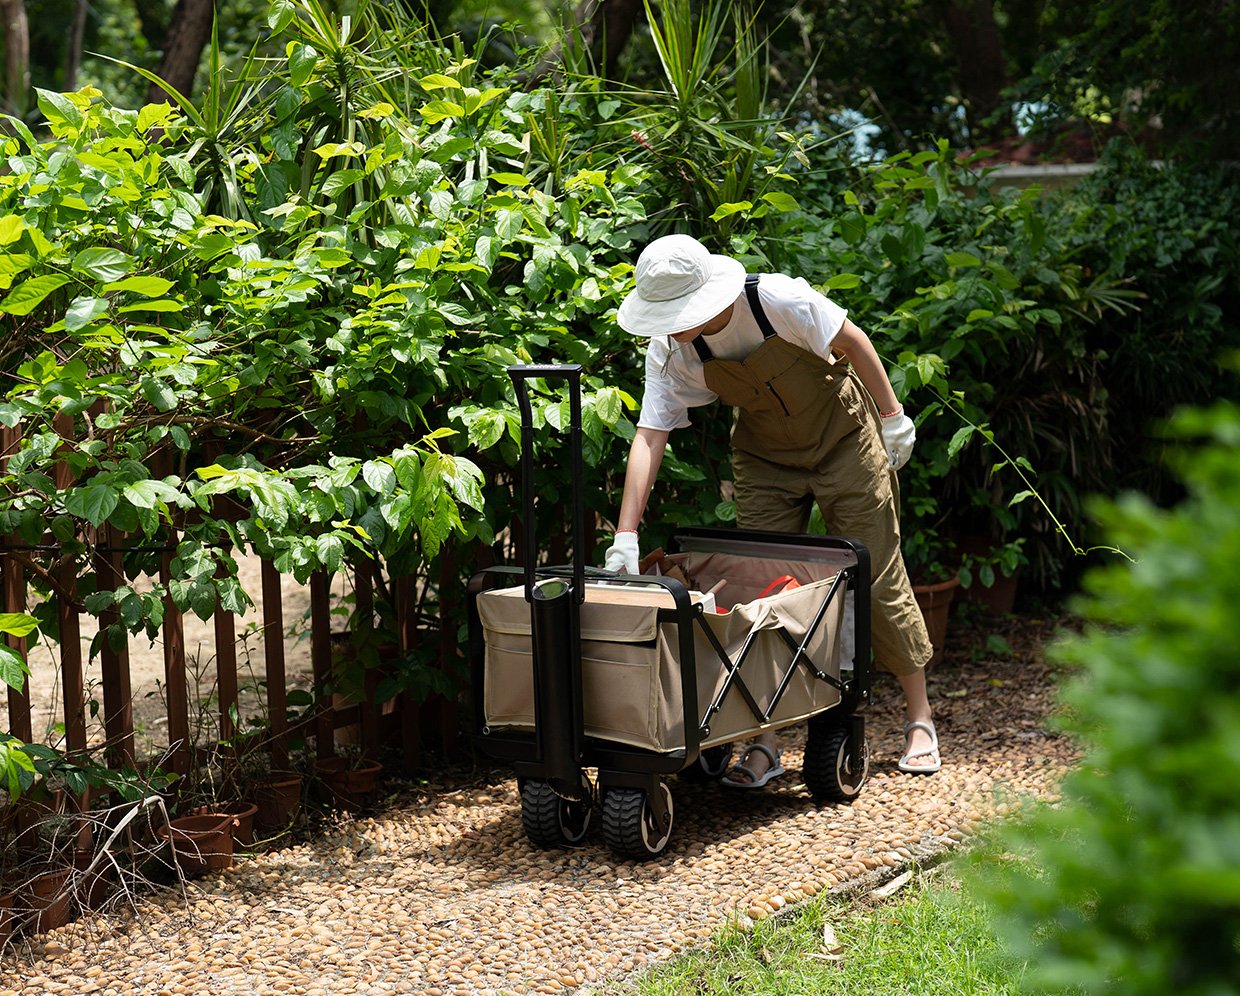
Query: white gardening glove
(623, 553)
(898, 437)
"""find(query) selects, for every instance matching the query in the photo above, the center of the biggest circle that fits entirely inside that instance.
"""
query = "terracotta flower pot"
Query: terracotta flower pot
(242, 812)
(50, 898)
(935, 601)
(997, 600)
(200, 843)
(277, 801)
(8, 913)
(346, 784)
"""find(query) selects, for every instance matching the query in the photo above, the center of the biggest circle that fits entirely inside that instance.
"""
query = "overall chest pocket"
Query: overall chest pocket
(796, 386)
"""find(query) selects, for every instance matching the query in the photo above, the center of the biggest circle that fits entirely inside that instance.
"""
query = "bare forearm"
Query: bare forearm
(645, 458)
(855, 345)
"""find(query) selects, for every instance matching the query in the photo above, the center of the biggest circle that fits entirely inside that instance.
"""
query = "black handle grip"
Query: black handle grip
(570, 372)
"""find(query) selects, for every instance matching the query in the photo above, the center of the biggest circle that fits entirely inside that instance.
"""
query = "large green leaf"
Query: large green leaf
(380, 476)
(17, 623)
(148, 286)
(28, 295)
(94, 503)
(83, 311)
(149, 493)
(103, 264)
(158, 393)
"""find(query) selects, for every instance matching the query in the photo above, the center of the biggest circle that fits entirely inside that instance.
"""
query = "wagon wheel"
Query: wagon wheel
(549, 819)
(628, 823)
(830, 774)
(712, 764)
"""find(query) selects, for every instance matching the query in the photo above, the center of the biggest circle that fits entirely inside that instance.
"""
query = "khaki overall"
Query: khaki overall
(808, 430)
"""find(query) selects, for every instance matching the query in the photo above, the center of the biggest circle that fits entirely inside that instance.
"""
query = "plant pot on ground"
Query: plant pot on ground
(50, 899)
(9, 909)
(200, 843)
(989, 572)
(348, 781)
(243, 814)
(277, 800)
(241, 811)
(933, 568)
(935, 602)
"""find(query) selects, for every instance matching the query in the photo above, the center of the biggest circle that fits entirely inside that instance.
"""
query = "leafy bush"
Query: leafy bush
(1166, 230)
(1139, 882)
(962, 288)
(1035, 337)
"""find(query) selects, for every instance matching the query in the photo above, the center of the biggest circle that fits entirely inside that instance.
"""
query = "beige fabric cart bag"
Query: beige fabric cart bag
(631, 675)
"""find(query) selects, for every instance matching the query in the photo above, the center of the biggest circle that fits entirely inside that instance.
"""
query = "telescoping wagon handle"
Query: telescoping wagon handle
(570, 372)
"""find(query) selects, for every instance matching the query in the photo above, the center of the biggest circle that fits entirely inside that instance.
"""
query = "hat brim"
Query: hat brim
(638, 316)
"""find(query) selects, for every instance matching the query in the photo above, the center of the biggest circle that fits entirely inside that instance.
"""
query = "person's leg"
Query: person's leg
(757, 763)
(859, 498)
(917, 710)
(776, 499)
(769, 497)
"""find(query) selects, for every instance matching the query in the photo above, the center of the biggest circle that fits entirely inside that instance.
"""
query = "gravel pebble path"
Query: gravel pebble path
(440, 893)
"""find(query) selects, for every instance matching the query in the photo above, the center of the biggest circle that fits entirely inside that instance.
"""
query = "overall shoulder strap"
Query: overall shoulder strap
(703, 350)
(755, 305)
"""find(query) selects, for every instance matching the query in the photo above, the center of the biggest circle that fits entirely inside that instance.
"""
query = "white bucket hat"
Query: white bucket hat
(679, 285)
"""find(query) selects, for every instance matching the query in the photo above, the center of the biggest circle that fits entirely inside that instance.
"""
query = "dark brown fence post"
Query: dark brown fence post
(13, 599)
(321, 663)
(175, 680)
(364, 626)
(226, 668)
(273, 652)
(64, 574)
(72, 683)
(114, 662)
(449, 649)
(406, 630)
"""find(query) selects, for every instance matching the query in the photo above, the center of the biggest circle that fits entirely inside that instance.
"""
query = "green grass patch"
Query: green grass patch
(927, 938)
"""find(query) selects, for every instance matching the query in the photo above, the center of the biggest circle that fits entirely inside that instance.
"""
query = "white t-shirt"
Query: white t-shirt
(675, 377)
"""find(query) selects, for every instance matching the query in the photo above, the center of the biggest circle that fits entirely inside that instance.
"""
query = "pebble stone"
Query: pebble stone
(440, 894)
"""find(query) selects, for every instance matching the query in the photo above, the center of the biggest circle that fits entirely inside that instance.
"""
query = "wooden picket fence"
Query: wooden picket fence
(413, 726)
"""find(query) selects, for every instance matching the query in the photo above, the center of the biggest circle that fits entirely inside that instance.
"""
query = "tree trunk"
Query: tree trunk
(603, 28)
(619, 18)
(73, 58)
(188, 34)
(16, 55)
(980, 69)
(153, 21)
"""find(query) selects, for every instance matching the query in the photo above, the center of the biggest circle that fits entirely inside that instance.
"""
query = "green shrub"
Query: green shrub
(976, 302)
(1167, 230)
(1139, 883)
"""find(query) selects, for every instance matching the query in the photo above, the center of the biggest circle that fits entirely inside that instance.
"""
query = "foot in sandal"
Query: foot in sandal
(759, 764)
(921, 749)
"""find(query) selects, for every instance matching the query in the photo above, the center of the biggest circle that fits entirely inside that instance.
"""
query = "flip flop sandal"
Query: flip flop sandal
(932, 751)
(755, 781)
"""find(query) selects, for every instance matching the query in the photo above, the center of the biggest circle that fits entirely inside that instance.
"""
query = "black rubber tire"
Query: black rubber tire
(627, 825)
(828, 772)
(711, 765)
(551, 820)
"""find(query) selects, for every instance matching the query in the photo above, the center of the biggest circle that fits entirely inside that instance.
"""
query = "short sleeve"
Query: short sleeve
(672, 387)
(810, 319)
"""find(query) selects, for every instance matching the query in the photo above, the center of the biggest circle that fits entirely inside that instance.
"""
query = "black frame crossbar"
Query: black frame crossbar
(799, 656)
(852, 562)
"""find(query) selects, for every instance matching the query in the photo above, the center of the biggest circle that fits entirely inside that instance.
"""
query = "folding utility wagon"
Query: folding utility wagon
(641, 677)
